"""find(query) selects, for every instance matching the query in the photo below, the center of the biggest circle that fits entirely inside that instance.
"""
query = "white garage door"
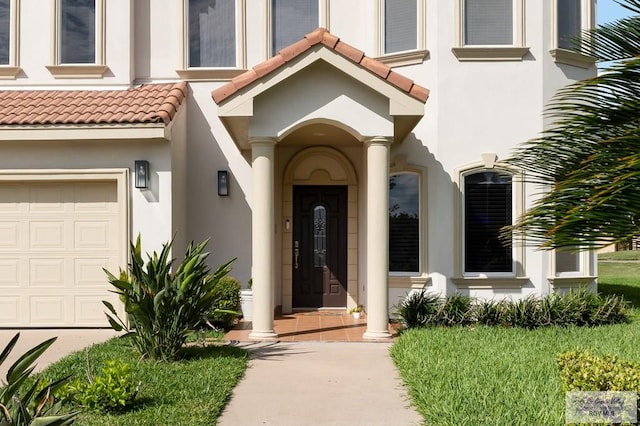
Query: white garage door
(55, 238)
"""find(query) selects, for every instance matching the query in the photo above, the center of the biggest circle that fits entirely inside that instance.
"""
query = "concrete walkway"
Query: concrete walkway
(319, 383)
(69, 340)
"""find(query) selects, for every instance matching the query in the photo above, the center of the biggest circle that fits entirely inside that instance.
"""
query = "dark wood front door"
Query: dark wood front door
(319, 246)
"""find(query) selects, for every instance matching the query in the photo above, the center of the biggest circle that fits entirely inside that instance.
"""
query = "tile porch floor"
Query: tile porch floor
(319, 326)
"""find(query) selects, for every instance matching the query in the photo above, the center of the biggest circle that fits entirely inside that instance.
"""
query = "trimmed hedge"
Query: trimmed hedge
(579, 308)
(227, 298)
(584, 371)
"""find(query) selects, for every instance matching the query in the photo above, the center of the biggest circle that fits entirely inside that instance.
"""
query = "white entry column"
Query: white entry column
(262, 237)
(378, 238)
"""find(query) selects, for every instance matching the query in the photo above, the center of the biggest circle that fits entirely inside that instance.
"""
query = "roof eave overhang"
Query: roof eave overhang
(236, 110)
(69, 132)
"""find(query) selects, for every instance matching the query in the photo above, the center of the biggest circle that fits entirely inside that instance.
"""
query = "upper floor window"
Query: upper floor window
(77, 32)
(400, 25)
(488, 22)
(571, 18)
(569, 22)
(404, 223)
(490, 30)
(5, 31)
(487, 208)
(292, 19)
(212, 33)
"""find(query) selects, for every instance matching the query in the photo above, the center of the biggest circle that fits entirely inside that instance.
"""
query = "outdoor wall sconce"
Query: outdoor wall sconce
(142, 174)
(223, 183)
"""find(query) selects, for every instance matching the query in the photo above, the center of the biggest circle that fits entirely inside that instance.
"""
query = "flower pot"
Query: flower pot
(356, 315)
(246, 304)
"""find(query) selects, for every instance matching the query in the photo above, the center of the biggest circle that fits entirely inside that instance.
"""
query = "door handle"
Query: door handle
(296, 253)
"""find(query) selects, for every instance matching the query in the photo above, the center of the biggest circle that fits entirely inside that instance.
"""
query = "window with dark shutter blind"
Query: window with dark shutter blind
(212, 33)
(77, 32)
(488, 22)
(569, 25)
(404, 223)
(487, 208)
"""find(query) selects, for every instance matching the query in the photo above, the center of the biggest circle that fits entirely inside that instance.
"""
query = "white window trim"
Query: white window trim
(323, 21)
(514, 52)
(566, 56)
(95, 70)
(12, 69)
(463, 279)
(407, 57)
(214, 73)
(418, 279)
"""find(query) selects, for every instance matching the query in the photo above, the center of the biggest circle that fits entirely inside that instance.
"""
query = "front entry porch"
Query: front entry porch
(304, 117)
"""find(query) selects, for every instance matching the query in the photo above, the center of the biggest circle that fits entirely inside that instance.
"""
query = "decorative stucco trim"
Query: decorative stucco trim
(490, 283)
(576, 59)
(417, 282)
(570, 282)
(9, 73)
(77, 71)
(497, 53)
(211, 74)
(412, 57)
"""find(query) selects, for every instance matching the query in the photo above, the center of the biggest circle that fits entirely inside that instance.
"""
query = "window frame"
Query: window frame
(83, 70)
(514, 279)
(420, 278)
(323, 21)
(507, 52)
(405, 57)
(214, 73)
(566, 56)
(10, 70)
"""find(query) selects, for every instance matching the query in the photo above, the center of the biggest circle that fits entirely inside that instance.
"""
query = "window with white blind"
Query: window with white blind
(400, 25)
(211, 28)
(404, 223)
(487, 208)
(5, 31)
(291, 20)
(569, 22)
(488, 22)
(77, 32)
(567, 262)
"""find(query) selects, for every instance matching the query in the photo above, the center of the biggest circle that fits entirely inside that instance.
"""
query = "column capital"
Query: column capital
(378, 140)
(262, 140)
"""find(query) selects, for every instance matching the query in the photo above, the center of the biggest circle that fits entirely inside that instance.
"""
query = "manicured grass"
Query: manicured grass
(494, 375)
(192, 391)
(619, 273)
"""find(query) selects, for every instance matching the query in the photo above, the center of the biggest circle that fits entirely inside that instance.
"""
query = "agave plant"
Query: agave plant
(34, 407)
(164, 306)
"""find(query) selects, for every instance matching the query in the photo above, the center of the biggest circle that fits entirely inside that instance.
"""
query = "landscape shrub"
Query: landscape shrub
(584, 371)
(163, 307)
(36, 405)
(112, 389)
(579, 308)
(226, 300)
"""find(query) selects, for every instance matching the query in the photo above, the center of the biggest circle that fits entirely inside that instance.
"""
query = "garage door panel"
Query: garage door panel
(89, 273)
(46, 235)
(55, 238)
(10, 310)
(10, 235)
(47, 310)
(9, 273)
(92, 235)
(47, 273)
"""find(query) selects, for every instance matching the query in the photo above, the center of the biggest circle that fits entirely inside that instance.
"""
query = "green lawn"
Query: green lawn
(189, 392)
(500, 376)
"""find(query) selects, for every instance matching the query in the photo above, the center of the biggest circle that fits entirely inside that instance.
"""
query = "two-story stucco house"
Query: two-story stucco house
(346, 152)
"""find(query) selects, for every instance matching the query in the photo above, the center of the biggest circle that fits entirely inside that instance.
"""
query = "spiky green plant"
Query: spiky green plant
(35, 406)
(589, 159)
(164, 306)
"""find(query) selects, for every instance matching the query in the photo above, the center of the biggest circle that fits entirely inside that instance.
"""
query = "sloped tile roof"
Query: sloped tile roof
(320, 35)
(149, 103)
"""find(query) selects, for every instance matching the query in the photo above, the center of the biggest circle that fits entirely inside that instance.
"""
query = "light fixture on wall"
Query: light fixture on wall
(223, 183)
(142, 174)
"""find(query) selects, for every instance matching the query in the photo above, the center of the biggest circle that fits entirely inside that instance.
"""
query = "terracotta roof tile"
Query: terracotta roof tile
(149, 103)
(320, 35)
